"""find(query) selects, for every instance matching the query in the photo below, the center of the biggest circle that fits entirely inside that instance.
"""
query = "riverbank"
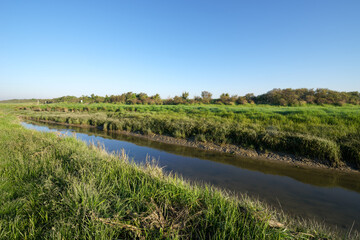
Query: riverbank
(225, 148)
(56, 187)
(324, 135)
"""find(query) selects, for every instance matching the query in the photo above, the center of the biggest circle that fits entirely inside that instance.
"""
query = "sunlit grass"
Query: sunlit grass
(327, 133)
(57, 187)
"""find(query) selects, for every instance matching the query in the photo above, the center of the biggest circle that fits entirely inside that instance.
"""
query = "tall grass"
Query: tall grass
(59, 188)
(326, 133)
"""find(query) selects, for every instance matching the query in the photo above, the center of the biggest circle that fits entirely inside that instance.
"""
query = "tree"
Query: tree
(225, 98)
(197, 99)
(241, 100)
(185, 95)
(206, 96)
(249, 97)
(178, 100)
(143, 97)
(156, 99)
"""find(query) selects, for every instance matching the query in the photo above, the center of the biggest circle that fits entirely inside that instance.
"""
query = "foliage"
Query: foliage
(52, 187)
(281, 97)
(325, 133)
(206, 96)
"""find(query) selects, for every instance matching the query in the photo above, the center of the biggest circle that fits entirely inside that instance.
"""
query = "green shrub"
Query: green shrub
(147, 131)
(178, 134)
(244, 136)
(200, 138)
(304, 145)
(350, 152)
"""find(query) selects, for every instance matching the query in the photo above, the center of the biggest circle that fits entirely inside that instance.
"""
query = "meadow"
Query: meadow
(328, 134)
(58, 187)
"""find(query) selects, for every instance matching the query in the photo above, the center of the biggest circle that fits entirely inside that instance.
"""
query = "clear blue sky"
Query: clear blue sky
(55, 48)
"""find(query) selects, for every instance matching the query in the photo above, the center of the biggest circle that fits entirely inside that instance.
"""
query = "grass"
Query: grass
(60, 188)
(328, 134)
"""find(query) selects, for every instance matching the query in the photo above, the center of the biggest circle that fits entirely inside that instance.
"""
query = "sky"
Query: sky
(50, 49)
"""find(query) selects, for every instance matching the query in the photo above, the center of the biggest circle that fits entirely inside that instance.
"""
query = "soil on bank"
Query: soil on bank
(225, 148)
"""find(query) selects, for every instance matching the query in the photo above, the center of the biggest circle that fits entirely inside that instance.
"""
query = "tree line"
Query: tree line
(281, 97)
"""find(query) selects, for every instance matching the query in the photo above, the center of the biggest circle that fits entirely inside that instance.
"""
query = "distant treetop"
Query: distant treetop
(281, 97)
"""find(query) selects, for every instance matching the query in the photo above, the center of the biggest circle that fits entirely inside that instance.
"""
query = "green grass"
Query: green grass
(60, 188)
(326, 133)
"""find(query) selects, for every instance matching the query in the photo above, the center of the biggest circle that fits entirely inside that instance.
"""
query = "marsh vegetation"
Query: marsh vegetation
(328, 134)
(56, 187)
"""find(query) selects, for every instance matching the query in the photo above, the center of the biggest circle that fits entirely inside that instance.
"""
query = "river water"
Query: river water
(328, 196)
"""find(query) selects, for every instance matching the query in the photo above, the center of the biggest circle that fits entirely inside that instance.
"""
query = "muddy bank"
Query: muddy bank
(240, 151)
(226, 148)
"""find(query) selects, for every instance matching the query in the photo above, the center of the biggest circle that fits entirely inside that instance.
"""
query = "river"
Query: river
(329, 196)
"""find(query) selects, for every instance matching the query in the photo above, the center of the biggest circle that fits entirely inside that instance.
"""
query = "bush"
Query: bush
(323, 149)
(179, 134)
(200, 138)
(147, 131)
(350, 152)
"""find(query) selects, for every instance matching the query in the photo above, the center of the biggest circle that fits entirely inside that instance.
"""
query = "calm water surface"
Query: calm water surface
(325, 195)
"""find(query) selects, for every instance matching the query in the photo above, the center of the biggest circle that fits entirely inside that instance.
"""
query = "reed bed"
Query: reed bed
(55, 187)
(327, 134)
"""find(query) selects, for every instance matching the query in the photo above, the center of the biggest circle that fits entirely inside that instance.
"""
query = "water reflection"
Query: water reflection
(329, 196)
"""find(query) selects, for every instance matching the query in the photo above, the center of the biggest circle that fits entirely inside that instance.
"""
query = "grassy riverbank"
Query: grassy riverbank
(327, 134)
(56, 187)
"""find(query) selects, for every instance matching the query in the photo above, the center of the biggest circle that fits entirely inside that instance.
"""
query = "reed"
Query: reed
(327, 134)
(58, 187)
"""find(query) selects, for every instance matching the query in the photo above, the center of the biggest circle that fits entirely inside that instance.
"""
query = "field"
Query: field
(329, 134)
(59, 188)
